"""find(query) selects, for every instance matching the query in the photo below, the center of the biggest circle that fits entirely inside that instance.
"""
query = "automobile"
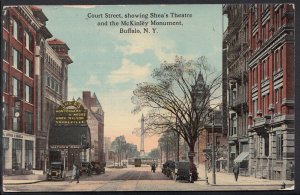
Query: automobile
(169, 168)
(165, 166)
(56, 171)
(98, 167)
(183, 171)
(85, 168)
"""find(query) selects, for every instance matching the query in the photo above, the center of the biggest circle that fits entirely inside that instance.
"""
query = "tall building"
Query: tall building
(53, 91)
(260, 58)
(271, 90)
(95, 122)
(20, 28)
(235, 84)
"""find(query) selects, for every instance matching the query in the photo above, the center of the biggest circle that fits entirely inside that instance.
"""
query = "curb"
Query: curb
(33, 182)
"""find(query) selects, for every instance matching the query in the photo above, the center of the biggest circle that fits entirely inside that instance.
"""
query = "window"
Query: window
(16, 87)
(28, 94)
(255, 107)
(276, 60)
(276, 101)
(17, 30)
(56, 87)
(255, 12)
(29, 123)
(16, 154)
(281, 58)
(16, 59)
(28, 41)
(5, 82)
(28, 68)
(16, 124)
(266, 146)
(5, 50)
(28, 152)
(5, 116)
(52, 83)
(264, 105)
(279, 146)
(48, 80)
(6, 21)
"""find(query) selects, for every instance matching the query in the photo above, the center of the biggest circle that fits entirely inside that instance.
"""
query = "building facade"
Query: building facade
(107, 147)
(260, 71)
(235, 48)
(53, 92)
(29, 57)
(95, 122)
(271, 90)
(20, 29)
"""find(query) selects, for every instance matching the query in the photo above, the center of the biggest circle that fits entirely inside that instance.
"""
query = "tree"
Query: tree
(154, 153)
(179, 98)
(168, 144)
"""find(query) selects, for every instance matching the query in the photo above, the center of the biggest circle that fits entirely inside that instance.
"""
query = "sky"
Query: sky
(111, 63)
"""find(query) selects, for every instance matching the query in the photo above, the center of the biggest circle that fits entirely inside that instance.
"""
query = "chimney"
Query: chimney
(86, 96)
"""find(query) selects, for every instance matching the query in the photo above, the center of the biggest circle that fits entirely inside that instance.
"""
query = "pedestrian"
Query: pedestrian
(236, 170)
(292, 170)
(77, 173)
(73, 173)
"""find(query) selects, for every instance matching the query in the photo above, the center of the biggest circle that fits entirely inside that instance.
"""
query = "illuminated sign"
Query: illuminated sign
(70, 113)
(66, 146)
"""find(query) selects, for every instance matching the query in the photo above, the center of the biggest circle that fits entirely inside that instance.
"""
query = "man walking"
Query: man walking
(75, 173)
(236, 170)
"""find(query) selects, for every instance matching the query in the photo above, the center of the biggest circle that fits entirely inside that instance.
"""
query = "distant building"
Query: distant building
(96, 124)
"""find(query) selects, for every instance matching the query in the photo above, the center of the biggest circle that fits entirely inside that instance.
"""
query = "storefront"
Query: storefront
(18, 152)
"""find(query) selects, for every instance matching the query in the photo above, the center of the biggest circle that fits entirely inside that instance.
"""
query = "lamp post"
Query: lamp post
(213, 158)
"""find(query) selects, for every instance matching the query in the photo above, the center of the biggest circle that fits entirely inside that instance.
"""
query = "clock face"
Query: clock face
(17, 114)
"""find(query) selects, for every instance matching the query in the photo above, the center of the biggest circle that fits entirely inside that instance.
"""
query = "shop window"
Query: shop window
(16, 59)
(28, 153)
(28, 94)
(16, 87)
(5, 50)
(29, 123)
(28, 68)
(16, 154)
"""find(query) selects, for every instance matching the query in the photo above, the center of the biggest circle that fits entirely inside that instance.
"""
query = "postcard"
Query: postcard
(160, 97)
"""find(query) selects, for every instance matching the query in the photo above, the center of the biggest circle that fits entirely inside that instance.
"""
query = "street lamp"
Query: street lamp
(213, 157)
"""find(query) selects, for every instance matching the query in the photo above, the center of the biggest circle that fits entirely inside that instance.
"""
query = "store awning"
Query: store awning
(242, 156)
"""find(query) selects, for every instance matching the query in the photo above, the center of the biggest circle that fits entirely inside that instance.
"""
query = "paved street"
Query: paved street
(141, 179)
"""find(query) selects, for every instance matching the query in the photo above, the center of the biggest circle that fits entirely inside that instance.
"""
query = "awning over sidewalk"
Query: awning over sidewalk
(242, 156)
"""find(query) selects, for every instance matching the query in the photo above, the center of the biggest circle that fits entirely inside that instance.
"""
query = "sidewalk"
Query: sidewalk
(27, 179)
(227, 179)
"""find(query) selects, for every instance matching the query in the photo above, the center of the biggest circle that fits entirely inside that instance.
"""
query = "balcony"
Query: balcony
(239, 105)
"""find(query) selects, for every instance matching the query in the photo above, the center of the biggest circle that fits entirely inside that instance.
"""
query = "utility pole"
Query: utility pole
(213, 159)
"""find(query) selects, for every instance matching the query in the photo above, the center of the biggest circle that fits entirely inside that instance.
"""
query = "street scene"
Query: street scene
(148, 98)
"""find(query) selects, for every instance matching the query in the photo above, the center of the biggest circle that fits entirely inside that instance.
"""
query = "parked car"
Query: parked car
(165, 166)
(56, 171)
(183, 171)
(85, 167)
(170, 166)
(98, 167)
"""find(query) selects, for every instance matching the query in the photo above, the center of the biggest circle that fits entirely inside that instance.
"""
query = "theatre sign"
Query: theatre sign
(70, 113)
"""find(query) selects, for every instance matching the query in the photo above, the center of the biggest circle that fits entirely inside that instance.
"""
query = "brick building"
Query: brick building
(96, 124)
(20, 29)
(271, 89)
(260, 39)
(205, 142)
(235, 48)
